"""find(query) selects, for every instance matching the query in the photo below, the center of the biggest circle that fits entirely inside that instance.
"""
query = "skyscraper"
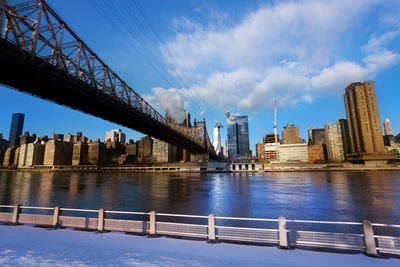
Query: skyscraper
(365, 129)
(238, 136)
(344, 128)
(17, 123)
(290, 134)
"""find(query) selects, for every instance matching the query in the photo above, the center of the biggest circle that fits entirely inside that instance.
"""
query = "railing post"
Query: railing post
(153, 228)
(15, 215)
(369, 239)
(56, 216)
(100, 221)
(211, 229)
(283, 240)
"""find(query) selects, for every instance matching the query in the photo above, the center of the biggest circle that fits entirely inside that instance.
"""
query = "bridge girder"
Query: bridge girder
(42, 56)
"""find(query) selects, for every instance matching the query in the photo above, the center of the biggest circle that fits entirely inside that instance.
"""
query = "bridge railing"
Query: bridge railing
(34, 27)
(373, 239)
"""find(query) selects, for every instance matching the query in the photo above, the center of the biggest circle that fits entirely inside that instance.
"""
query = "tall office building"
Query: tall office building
(344, 129)
(238, 136)
(365, 129)
(116, 135)
(17, 123)
(224, 148)
(290, 134)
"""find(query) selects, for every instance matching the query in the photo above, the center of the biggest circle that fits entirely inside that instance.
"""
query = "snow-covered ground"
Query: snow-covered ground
(25, 245)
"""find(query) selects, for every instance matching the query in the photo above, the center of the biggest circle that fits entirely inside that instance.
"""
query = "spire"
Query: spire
(275, 127)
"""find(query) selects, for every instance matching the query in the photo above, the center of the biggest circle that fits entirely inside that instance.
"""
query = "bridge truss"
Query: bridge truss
(37, 45)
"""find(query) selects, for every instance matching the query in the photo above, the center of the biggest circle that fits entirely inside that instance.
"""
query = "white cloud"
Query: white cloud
(291, 50)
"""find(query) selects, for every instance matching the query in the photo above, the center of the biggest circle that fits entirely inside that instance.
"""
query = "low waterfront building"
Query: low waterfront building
(3, 143)
(271, 152)
(34, 154)
(96, 153)
(163, 151)
(145, 146)
(22, 155)
(293, 153)
(131, 148)
(16, 157)
(58, 152)
(246, 165)
(80, 154)
(9, 154)
(259, 150)
(317, 153)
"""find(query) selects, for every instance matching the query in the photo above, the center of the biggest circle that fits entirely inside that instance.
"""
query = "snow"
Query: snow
(25, 245)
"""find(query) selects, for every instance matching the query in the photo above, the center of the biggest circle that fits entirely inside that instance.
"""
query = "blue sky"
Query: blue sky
(232, 56)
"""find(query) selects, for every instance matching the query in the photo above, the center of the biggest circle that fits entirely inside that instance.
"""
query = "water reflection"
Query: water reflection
(348, 196)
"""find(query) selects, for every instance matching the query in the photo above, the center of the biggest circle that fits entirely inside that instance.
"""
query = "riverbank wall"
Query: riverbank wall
(193, 168)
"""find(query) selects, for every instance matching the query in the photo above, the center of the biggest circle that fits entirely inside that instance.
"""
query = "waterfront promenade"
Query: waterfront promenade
(32, 246)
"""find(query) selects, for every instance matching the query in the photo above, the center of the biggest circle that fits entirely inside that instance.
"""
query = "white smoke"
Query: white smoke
(172, 103)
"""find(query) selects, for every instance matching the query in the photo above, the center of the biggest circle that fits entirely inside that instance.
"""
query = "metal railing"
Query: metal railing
(358, 237)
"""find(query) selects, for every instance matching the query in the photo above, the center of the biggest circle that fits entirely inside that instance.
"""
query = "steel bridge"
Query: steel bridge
(42, 56)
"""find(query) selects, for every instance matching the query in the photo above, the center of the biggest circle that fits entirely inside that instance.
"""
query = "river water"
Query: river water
(335, 195)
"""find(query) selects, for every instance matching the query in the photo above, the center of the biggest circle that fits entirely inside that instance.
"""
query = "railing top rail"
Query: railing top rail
(181, 215)
(247, 228)
(36, 208)
(246, 219)
(184, 224)
(325, 222)
(6, 206)
(385, 225)
(83, 210)
(126, 212)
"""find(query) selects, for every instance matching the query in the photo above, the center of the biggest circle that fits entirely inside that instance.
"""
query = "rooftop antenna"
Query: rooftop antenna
(275, 128)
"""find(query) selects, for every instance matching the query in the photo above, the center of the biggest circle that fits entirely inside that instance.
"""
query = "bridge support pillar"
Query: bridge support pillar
(100, 221)
(153, 225)
(211, 229)
(56, 216)
(369, 239)
(283, 240)
(15, 216)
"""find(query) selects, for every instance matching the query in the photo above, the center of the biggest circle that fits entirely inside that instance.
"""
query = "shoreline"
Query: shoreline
(194, 170)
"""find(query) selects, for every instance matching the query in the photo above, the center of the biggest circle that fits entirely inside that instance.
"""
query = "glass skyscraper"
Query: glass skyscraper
(238, 136)
(17, 123)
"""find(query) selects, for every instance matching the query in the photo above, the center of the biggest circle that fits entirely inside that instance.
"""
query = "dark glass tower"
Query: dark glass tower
(238, 136)
(17, 123)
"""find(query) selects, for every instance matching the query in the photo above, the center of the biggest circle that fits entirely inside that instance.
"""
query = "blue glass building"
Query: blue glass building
(17, 123)
(238, 136)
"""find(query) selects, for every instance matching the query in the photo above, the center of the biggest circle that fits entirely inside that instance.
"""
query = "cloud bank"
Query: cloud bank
(293, 50)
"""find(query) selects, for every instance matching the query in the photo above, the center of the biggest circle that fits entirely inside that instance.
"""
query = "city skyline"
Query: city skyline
(365, 44)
